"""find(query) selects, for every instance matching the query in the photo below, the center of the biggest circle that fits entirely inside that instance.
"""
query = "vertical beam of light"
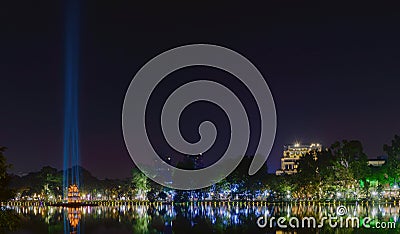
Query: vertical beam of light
(71, 133)
(65, 222)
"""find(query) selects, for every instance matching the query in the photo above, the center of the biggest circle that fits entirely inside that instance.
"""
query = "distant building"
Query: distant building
(377, 162)
(292, 154)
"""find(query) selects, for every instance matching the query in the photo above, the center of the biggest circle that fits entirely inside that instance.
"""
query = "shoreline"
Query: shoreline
(211, 203)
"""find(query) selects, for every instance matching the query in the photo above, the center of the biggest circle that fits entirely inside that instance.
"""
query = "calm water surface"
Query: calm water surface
(191, 218)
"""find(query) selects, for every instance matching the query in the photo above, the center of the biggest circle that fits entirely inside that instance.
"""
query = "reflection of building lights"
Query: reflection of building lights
(224, 213)
(74, 216)
(373, 212)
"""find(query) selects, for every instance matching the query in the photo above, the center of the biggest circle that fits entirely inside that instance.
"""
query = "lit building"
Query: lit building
(73, 194)
(292, 154)
(377, 162)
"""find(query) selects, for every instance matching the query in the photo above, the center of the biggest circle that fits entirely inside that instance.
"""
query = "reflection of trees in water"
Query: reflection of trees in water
(9, 220)
(141, 224)
(184, 218)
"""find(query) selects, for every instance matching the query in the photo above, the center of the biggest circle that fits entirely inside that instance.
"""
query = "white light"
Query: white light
(99, 195)
(339, 194)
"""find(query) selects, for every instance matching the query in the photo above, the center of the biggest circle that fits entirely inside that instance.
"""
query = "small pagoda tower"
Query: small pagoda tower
(74, 195)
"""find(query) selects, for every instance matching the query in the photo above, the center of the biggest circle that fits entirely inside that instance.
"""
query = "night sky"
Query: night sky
(334, 72)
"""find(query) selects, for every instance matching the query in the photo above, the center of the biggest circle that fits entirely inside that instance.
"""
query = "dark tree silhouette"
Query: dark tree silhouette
(5, 178)
(8, 219)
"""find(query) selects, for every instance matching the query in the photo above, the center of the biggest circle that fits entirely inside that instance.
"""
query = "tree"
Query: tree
(220, 187)
(140, 184)
(349, 166)
(325, 165)
(239, 179)
(393, 163)
(8, 219)
(257, 183)
(308, 178)
(51, 181)
(5, 191)
(154, 191)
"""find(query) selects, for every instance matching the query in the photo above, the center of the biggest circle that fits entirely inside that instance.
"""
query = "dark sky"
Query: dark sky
(333, 71)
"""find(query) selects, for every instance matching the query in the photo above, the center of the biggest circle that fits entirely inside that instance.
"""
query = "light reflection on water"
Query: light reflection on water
(189, 217)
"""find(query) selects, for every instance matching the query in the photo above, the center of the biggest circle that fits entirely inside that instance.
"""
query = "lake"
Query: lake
(203, 217)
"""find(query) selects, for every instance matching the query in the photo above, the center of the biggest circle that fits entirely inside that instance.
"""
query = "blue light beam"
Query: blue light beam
(71, 127)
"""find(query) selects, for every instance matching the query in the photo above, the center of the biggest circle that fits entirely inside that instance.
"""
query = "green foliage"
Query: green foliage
(392, 166)
(343, 168)
(308, 178)
(140, 183)
(337, 169)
